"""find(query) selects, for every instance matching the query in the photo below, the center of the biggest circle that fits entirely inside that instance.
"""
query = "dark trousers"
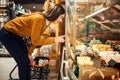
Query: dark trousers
(18, 49)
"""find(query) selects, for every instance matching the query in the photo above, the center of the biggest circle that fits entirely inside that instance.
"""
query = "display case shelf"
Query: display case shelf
(87, 20)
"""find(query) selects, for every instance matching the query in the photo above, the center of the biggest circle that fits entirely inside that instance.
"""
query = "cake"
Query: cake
(93, 73)
(84, 61)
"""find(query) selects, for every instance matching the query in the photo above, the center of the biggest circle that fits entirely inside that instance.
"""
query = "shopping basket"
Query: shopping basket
(39, 70)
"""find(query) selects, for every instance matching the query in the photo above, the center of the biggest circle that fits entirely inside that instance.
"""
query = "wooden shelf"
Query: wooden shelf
(2, 5)
(5, 55)
(3, 10)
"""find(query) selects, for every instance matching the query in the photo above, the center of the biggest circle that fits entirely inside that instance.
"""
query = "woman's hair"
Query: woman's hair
(53, 13)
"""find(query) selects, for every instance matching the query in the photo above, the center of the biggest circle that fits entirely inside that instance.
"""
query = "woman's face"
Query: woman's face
(59, 19)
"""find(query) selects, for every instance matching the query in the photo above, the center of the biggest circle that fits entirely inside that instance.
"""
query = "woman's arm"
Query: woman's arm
(31, 48)
(38, 29)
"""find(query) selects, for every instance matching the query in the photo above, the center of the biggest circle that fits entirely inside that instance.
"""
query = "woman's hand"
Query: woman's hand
(31, 59)
(60, 39)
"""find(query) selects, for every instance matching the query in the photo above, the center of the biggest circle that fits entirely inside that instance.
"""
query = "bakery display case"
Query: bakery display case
(92, 39)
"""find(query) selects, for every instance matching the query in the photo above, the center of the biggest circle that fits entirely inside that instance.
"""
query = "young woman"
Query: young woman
(31, 25)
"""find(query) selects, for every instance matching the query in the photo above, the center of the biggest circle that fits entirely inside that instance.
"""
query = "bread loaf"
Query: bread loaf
(93, 73)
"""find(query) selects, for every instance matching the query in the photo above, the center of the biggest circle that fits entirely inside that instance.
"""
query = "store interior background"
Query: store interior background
(36, 5)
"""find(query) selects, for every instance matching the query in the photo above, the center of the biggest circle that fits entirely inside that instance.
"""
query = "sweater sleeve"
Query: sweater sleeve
(38, 28)
(31, 48)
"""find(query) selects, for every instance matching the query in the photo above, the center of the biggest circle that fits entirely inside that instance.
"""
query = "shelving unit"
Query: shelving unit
(3, 10)
(3, 19)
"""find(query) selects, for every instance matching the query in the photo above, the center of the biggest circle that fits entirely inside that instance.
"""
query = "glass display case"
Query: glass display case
(92, 27)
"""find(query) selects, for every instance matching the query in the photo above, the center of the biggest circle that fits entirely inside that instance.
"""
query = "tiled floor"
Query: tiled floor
(7, 64)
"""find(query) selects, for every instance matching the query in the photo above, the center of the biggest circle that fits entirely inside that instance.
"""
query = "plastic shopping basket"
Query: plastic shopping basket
(39, 70)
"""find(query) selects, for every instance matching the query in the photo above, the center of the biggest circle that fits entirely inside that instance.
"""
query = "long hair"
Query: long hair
(53, 13)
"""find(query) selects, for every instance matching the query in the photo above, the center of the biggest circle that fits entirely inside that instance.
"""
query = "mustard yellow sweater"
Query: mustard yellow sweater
(32, 26)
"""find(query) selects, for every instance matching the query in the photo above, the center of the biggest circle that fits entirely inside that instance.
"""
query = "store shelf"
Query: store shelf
(5, 55)
(105, 26)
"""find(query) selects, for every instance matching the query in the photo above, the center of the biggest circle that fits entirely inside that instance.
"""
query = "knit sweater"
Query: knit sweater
(30, 26)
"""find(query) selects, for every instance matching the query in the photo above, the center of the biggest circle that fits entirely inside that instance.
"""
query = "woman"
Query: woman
(31, 25)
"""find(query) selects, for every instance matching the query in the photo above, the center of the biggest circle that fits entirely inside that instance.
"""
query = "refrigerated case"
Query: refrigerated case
(88, 22)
